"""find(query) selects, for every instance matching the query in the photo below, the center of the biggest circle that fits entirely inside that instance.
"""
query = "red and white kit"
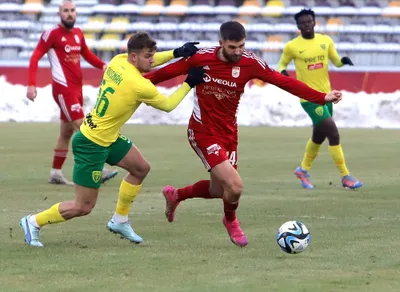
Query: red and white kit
(212, 129)
(64, 49)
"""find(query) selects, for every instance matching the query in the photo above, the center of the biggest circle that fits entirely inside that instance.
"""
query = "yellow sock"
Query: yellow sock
(49, 216)
(311, 153)
(127, 194)
(338, 157)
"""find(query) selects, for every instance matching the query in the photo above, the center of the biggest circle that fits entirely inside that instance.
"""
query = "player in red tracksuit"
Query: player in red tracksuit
(64, 45)
(212, 129)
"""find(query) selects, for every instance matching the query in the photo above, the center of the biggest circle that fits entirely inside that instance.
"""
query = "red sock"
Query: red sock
(201, 189)
(59, 157)
(230, 210)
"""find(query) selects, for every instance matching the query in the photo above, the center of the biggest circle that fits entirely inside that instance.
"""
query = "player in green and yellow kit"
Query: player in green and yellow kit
(122, 91)
(311, 53)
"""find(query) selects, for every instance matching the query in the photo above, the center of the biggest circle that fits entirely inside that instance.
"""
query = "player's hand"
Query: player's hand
(284, 72)
(347, 61)
(187, 50)
(31, 93)
(195, 76)
(104, 67)
(334, 96)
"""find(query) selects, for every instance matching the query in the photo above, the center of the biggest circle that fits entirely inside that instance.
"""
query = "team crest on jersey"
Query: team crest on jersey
(96, 176)
(323, 46)
(77, 39)
(235, 72)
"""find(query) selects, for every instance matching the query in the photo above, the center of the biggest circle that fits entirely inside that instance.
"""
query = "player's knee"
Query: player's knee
(140, 171)
(66, 134)
(235, 188)
(334, 137)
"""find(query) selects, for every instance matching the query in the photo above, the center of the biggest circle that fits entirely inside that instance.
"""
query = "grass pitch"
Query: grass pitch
(355, 236)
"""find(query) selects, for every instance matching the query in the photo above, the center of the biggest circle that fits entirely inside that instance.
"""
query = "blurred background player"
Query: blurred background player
(311, 53)
(64, 45)
(212, 129)
(122, 91)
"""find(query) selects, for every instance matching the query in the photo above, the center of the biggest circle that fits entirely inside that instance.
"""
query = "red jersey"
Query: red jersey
(64, 48)
(217, 99)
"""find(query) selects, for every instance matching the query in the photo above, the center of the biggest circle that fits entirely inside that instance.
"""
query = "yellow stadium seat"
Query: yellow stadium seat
(177, 7)
(90, 39)
(273, 8)
(95, 24)
(118, 24)
(109, 42)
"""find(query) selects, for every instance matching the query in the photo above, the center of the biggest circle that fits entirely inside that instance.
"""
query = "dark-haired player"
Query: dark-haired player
(212, 129)
(311, 53)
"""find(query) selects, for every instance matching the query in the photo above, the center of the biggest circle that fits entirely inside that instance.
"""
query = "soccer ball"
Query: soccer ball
(293, 237)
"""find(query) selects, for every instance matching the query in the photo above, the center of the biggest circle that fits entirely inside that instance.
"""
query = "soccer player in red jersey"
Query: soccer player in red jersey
(212, 129)
(64, 45)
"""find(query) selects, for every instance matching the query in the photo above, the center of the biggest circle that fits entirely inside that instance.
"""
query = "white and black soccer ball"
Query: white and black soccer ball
(293, 237)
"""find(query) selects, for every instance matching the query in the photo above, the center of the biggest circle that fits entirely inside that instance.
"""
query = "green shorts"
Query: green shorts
(317, 112)
(90, 157)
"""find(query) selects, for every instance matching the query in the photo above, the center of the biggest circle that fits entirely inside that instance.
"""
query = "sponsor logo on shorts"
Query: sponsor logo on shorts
(96, 175)
(213, 149)
(319, 111)
(76, 107)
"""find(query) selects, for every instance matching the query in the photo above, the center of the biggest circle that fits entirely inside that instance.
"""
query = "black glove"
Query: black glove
(195, 76)
(187, 50)
(347, 61)
(284, 72)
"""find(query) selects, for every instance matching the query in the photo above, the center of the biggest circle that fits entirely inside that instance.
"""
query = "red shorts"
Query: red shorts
(213, 150)
(70, 103)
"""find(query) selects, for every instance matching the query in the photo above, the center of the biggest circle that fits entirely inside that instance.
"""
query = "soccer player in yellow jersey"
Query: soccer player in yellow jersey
(122, 91)
(311, 53)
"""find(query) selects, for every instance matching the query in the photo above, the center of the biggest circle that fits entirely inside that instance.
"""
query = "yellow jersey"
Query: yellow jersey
(122, 91)
(311, 58)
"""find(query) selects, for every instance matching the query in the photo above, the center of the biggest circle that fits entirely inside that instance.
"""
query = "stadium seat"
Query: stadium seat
(118, 24)
(273, 8)
(95, 24)
(32, 7)
(250, 7)
(176, 7)
(153, 7)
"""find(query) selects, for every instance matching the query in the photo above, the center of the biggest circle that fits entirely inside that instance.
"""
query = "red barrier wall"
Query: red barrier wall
(371, 82)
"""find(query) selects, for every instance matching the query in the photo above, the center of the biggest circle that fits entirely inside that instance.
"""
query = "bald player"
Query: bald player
(64, 45)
